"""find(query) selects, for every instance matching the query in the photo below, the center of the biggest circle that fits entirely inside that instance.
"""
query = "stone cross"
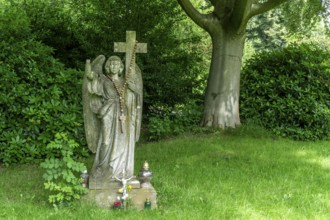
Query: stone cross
(124, 183)
(127, 47)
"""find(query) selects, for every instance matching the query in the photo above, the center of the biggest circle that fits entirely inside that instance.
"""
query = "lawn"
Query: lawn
(231, 175)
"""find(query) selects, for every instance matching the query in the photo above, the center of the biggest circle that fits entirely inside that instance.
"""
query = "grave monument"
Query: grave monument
(112, 104)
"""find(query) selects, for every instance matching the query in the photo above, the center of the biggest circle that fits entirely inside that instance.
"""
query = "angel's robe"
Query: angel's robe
(113, 154)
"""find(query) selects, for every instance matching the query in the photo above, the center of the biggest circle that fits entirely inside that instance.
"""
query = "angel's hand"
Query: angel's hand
(88, 70)
(131, 84)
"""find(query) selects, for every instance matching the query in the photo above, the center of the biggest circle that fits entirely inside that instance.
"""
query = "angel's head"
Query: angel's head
(114, 65)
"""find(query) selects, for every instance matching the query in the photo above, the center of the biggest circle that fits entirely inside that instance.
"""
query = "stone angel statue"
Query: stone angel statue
(112, 104)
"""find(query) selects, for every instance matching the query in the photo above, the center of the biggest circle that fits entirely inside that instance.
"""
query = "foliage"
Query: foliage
(288, 90)
(164, 121)
(174, 69)
(38, 96)
(266, 31)
(302, 15)
(273, 29)
(61, 172)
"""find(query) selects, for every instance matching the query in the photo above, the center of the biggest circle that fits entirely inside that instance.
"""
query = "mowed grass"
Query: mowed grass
(231, 175)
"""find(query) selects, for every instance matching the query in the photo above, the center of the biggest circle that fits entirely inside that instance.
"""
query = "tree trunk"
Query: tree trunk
(221, 106)
(226, 25)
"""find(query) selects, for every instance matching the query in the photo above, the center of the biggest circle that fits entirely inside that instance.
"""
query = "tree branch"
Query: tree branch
(259, 8)
(200, 19)
(240, 16)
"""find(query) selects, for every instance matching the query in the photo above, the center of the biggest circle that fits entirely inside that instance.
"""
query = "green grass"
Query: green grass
(234, 175)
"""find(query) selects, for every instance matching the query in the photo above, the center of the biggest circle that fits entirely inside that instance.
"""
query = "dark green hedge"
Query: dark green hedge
(288, 91)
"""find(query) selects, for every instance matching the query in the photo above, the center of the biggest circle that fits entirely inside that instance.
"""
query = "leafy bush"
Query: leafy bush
(62, 173)
(38, 96)
(288, 90)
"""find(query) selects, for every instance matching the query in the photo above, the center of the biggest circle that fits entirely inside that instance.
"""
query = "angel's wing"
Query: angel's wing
(139, 86)
(90, 103)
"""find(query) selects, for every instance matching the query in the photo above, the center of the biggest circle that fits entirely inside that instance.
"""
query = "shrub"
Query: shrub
(288, 90)
(38, 96)
(62, 172)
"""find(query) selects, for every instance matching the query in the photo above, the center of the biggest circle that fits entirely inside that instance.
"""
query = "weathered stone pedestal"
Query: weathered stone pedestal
(105, 194)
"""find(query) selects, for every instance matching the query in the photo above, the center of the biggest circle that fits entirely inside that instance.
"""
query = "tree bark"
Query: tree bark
(221, 106)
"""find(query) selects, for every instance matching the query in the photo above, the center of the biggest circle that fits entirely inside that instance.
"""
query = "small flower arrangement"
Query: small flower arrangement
(117, 205)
